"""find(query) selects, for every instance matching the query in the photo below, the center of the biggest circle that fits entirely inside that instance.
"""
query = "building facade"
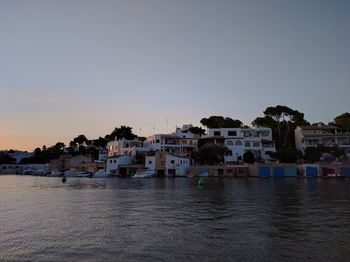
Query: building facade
(125, 147)
(241, 140)
(312, 136)
(164, 163)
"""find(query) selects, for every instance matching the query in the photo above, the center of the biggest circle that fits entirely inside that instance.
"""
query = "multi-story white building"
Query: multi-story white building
(125, 147)
(182, 142)
(168, 164)
(241, 140)
(312, 136)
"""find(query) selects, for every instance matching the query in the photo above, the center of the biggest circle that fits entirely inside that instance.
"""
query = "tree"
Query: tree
(210, 154)
(221, 122)
(140, 159)
(37, 152)
(6, 159)
(197, 130)
(313, 154)
(287, 154)
(120, 133)
(343, 121)
(248, 157)
(79, 140)
(282, 120)
(55, 150)
(99, 143)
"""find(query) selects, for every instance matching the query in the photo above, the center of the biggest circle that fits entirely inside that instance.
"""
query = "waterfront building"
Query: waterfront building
(181, 143)
(241, 140)
(114, 162)
(73, 163)
(164, 163)
(120, 147)
(176, 165)
(327, 135)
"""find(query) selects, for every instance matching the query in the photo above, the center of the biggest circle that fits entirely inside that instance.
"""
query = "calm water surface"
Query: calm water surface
(173, 219)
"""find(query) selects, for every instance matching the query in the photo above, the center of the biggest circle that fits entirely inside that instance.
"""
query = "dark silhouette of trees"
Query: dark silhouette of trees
(342, 121)
(6, 159)
(197, 130)
(210, 154)
(248, 157)
(99, 142)
(221, 122)
(120, 133)
(79, 141)
(283, 121)
(313, 154)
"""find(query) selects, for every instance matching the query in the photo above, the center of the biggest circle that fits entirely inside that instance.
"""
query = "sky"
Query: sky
(71, 67)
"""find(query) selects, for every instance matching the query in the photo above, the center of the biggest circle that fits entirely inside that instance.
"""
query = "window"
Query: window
(238, 143)
(150, 162)
(171, 171)
(256, 144)
(232, 133)
(229, 153)
(229, 143)
(247, 144)
(248, 134)
(180, 161)
(265, 133)
(217, 133)
(111, 161)
(172, 161)
(157, 141)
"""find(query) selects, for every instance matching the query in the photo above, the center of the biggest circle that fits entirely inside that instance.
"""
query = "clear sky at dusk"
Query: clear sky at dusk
(73, 67)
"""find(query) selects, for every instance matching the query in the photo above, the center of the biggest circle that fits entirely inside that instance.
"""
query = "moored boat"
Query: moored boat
(101, 173)
(333, 176)
(56, 173)
(145, 174)
(77, 174)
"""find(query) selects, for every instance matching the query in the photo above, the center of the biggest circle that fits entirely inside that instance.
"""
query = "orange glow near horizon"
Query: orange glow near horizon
(21, 142)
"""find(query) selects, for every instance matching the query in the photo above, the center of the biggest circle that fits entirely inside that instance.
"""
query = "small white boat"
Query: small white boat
(56, 173)
(77, 174)
(101, 173)
(145, 174)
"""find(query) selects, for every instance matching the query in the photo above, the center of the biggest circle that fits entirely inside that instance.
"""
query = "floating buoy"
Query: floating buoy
(64, 179)
(201, 181)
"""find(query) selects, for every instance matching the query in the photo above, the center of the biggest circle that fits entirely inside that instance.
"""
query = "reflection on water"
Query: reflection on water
(174, 220)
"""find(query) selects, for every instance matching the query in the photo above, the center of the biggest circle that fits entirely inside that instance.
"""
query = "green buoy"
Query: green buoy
(201, 181)
(64, 179)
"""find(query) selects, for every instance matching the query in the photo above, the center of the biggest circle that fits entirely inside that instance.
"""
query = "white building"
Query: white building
(168, 164)
(312, 136)
(103, 155)
(182, 142)
(150, 162)
(125, 147)
(241, 140)
(177, 165)
(114, 162)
